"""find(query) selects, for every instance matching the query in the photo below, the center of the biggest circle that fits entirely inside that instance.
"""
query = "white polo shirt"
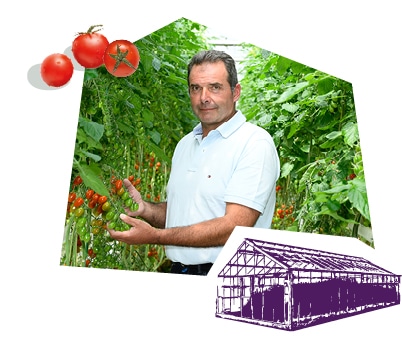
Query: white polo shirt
(235, 163)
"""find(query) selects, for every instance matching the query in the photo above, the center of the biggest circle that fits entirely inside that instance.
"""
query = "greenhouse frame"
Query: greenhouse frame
(290, 288)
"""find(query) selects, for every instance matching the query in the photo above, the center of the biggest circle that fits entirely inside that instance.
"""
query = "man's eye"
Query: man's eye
(195, 88)
(215, 87)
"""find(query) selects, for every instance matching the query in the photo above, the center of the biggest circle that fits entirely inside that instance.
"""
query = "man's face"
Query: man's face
(211, 97)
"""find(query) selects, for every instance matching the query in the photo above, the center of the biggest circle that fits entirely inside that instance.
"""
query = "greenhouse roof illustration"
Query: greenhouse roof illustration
(255, 257)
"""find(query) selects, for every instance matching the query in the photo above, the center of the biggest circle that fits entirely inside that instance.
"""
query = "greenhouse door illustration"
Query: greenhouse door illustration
(287, 304)
(245, 294)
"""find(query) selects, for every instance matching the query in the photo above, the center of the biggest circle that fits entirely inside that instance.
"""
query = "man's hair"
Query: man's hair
(212, 56)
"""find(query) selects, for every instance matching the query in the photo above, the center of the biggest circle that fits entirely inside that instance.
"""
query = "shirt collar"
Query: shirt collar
(227, 128)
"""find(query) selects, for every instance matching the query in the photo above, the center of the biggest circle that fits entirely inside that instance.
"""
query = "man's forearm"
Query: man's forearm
(209, 233)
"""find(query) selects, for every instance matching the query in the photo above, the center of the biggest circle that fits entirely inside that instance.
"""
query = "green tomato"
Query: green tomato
(110, 215)
(128, 202)
(87, 237)
(106, 206)
(82, 231)
(134, 206)
(81, 222)
(125, 196)
(79, 212)
(112, 225)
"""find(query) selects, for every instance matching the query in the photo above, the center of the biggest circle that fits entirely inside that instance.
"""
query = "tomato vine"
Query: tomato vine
(128, 128)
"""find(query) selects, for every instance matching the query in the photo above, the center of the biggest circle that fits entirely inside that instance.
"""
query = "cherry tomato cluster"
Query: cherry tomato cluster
(104, 209)
(87, 243)
(283, 217)
(91, 50)
(88, 215)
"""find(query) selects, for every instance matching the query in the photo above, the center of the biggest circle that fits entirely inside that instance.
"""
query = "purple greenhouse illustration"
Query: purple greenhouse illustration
(290, 288)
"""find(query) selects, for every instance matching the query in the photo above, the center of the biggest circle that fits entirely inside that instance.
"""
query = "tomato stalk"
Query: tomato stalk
(123, 257)
(120, 57)
(128, 157)
(91, 29)
(84, 253)
(68, 237)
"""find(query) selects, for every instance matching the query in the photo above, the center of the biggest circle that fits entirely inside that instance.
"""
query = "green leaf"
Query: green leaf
(283, 64)
(333, 135)
(92, 129)
(93, 156)
(338, 188)
(294, 128)
(286, 169)
(326, 211)
(357, 195)
(325, 85)
(90, 74)
(291, 92)
(320, 197)
(290, 107)
(91, 179)
(333, 205)
(329, 143)
(155, 136)
(350, 133)
(156, 63)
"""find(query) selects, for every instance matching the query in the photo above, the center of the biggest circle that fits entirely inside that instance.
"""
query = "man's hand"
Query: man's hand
(136, 197)
(140, 232)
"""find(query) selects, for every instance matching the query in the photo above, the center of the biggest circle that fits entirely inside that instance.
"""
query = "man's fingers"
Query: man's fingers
(135, 195)
(128, 219)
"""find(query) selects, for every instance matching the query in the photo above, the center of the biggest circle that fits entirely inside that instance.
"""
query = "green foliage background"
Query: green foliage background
(311, 116)
(124, 122)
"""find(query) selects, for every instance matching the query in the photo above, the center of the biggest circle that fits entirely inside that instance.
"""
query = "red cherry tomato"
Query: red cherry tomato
(121, 58)
(78, 202)
(89, 193)
(118, 184)
(56, 70)
(71, 197)
(102, 199)
(88, 48)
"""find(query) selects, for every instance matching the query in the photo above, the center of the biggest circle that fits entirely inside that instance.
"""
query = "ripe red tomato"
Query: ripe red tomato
(71, 197)
(78, 180)
(121, 58)
(118, 184)
(89, 193)
(78, 202)
(56, 69)
(88, 48)
(92, 203)
(102, 199)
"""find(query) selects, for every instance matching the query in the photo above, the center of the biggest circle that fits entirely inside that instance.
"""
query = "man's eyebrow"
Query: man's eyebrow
(209, 84)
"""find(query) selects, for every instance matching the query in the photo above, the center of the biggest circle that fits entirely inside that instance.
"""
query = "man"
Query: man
(223, 175)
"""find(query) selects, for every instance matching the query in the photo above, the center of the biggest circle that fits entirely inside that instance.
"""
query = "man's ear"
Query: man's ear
(236, 93)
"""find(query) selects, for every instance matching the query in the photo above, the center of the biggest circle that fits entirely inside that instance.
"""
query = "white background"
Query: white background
(46, 306)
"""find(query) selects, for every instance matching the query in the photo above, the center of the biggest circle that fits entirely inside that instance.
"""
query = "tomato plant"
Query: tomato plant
(122, 134)
(121, 58)
(56, 69)
(89, 47)
(312, 119)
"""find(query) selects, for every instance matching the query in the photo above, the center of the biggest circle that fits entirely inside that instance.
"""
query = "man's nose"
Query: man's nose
(205, 96)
